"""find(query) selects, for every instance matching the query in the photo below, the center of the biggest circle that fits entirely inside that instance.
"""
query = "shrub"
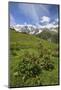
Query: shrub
(11, 48)
(29, 66)
(55, 54)
(49, 66)
(35, 70)
(17, 48)
(47, 63)
(13, 53)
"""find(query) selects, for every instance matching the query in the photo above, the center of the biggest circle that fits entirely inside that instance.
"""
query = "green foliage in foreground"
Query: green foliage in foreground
(32, 61)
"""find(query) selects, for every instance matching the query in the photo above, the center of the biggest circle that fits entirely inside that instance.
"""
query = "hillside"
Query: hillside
(49, 35)
(32, 61)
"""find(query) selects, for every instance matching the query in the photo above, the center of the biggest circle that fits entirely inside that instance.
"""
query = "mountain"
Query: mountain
(50, 35)
(32, 29)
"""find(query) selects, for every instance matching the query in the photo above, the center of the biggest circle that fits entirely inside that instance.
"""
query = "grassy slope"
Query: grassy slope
(21, 43)
(49, 35)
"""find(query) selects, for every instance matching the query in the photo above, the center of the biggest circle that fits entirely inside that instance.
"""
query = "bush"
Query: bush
(55, 54)
(47, 63)
(35, 70)
(13, 53)
(49, 66)
(29, 66)
(17, 48)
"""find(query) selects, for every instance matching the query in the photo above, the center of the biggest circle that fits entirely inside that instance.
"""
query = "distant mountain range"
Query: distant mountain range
(32, 29)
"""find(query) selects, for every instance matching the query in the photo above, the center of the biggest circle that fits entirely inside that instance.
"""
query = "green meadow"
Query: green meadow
(33, 61)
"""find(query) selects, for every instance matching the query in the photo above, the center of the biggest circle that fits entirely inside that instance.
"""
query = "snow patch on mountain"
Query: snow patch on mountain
(33, 29)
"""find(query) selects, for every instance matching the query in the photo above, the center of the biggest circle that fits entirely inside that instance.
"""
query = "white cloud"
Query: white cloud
(12, 20)
(56, 19)
(54, 22)
(49, 25)
(45, 19)
(47, 22)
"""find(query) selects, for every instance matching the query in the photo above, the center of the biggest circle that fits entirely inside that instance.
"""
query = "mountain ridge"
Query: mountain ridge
(32, 29)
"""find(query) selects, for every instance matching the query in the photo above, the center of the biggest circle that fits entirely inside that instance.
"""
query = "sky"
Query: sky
(35, 14)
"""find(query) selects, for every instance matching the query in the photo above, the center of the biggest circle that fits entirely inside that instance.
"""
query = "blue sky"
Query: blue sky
(24, 13)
